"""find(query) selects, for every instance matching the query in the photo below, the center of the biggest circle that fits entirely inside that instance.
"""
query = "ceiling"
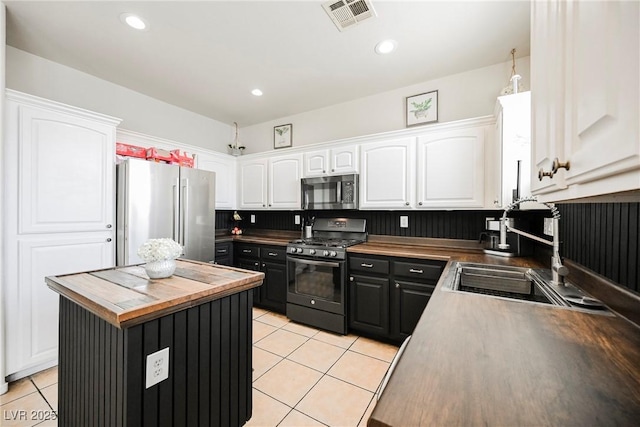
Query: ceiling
(207, 56)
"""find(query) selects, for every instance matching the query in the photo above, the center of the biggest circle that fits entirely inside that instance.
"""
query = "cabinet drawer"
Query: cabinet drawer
(274, 254)
(369, 265)
(246, 251)
(415, 270)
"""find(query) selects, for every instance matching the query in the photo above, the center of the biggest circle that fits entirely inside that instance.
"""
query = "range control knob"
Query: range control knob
(312, 251)
(325, 253)
(333, 253)
(299, 250)
(292, 250)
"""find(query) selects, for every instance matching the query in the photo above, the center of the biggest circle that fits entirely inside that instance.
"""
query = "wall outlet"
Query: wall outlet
(296, 220)
(253, 219)
(548, 226)
(404, 221)
(157, 367)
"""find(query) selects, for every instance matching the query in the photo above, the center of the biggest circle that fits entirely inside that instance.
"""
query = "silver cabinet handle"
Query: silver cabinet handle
(366, 265)
(397, 285)
(413, 270)
(272, 254)
(246, 251)
(351, 278)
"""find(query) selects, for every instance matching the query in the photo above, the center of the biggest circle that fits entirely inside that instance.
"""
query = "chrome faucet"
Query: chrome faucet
(558, 270)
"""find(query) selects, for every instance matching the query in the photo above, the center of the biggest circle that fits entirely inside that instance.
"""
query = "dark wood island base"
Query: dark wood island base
(202, 314)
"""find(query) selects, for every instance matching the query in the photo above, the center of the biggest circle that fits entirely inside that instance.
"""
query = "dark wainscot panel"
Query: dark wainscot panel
(209, 380)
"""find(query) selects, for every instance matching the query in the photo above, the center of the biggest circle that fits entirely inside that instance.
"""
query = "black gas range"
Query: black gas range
(317, 273)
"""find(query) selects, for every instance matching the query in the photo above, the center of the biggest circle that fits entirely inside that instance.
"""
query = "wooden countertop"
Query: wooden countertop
(477, 360)
(125, 296)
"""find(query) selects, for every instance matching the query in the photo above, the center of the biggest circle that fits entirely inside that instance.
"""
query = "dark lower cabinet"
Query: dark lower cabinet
(224, 253)
(271, 260)
(388, 295)
(369, 304)
(210, 371)
(409, 301)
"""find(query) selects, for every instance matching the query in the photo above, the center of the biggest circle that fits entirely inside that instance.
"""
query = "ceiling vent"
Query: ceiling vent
(347, 13)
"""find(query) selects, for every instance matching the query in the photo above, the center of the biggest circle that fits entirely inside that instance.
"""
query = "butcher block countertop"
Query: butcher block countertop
(478, 360)
(125, 296)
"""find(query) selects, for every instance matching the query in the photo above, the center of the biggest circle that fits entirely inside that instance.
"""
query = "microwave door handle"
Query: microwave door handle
(339, 192)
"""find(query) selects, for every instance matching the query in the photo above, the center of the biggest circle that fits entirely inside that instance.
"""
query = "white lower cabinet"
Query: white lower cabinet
(32, 316)
(451, 169)
(387, 172)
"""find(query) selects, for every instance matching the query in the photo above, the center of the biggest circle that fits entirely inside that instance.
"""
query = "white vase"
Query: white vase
(160, 269)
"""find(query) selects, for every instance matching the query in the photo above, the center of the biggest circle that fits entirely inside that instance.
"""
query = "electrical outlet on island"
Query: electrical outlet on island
(157, 367)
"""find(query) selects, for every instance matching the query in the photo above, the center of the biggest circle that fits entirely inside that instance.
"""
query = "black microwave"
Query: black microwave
(330, 192)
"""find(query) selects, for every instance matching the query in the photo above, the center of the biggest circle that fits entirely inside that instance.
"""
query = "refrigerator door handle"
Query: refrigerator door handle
(176, 211)
(184, 218)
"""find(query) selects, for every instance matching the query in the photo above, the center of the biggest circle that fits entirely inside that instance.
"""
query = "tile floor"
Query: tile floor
(301, 377)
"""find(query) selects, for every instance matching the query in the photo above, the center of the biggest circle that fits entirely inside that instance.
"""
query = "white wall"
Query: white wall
(38, 76)
(460, 96)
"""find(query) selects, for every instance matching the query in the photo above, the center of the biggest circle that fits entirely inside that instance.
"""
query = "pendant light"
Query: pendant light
(236, 149)
(514, 86)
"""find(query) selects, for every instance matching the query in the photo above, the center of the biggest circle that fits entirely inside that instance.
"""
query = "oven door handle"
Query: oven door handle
(311, 262)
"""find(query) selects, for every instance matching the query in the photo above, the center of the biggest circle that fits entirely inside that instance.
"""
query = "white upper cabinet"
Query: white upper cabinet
(586, 95)
(333, 161)
(285, 173)
(387, 174)
(66, 172)
(225, 168)
(270, 183)
(451, 169)
(252, 183)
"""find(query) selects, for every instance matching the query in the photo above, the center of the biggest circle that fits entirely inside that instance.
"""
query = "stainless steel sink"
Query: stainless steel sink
(517, 283)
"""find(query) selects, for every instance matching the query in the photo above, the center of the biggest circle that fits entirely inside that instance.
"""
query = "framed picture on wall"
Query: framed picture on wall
(422, 108)
(282, 136)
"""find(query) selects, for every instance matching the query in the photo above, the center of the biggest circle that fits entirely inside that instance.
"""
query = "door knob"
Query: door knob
(558, 165)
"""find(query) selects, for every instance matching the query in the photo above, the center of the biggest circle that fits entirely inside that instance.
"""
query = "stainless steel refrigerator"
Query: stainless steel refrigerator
(156, 200)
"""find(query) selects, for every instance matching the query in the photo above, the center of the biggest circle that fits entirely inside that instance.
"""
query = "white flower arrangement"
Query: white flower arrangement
(159, 249)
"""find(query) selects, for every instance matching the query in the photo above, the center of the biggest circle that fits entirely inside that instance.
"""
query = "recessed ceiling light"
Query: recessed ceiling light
(386, 46)
(256, 92)
(134, 21)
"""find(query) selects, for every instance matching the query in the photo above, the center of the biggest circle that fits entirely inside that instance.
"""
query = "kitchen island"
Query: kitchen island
(479, 360)
(111, 320)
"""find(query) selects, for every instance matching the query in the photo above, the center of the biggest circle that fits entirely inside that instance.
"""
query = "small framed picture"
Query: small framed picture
(282, 136)
(422, 108)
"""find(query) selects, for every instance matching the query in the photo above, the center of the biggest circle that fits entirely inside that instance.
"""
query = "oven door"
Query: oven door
(317, 284)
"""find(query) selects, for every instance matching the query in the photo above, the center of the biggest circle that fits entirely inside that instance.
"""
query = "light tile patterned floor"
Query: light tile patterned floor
(301, 377)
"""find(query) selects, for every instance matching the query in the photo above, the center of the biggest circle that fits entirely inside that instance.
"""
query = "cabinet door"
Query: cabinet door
(603, 93)
(409, 301)
(32, 308)
(274, 292)
(66, 167)
(344, 160)
(251, 264)
(547, 91)
(369, 304)
(387, 175)
(316, 163)
(284, 182)
(225, 170)
(253, 184)
(451, 169)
